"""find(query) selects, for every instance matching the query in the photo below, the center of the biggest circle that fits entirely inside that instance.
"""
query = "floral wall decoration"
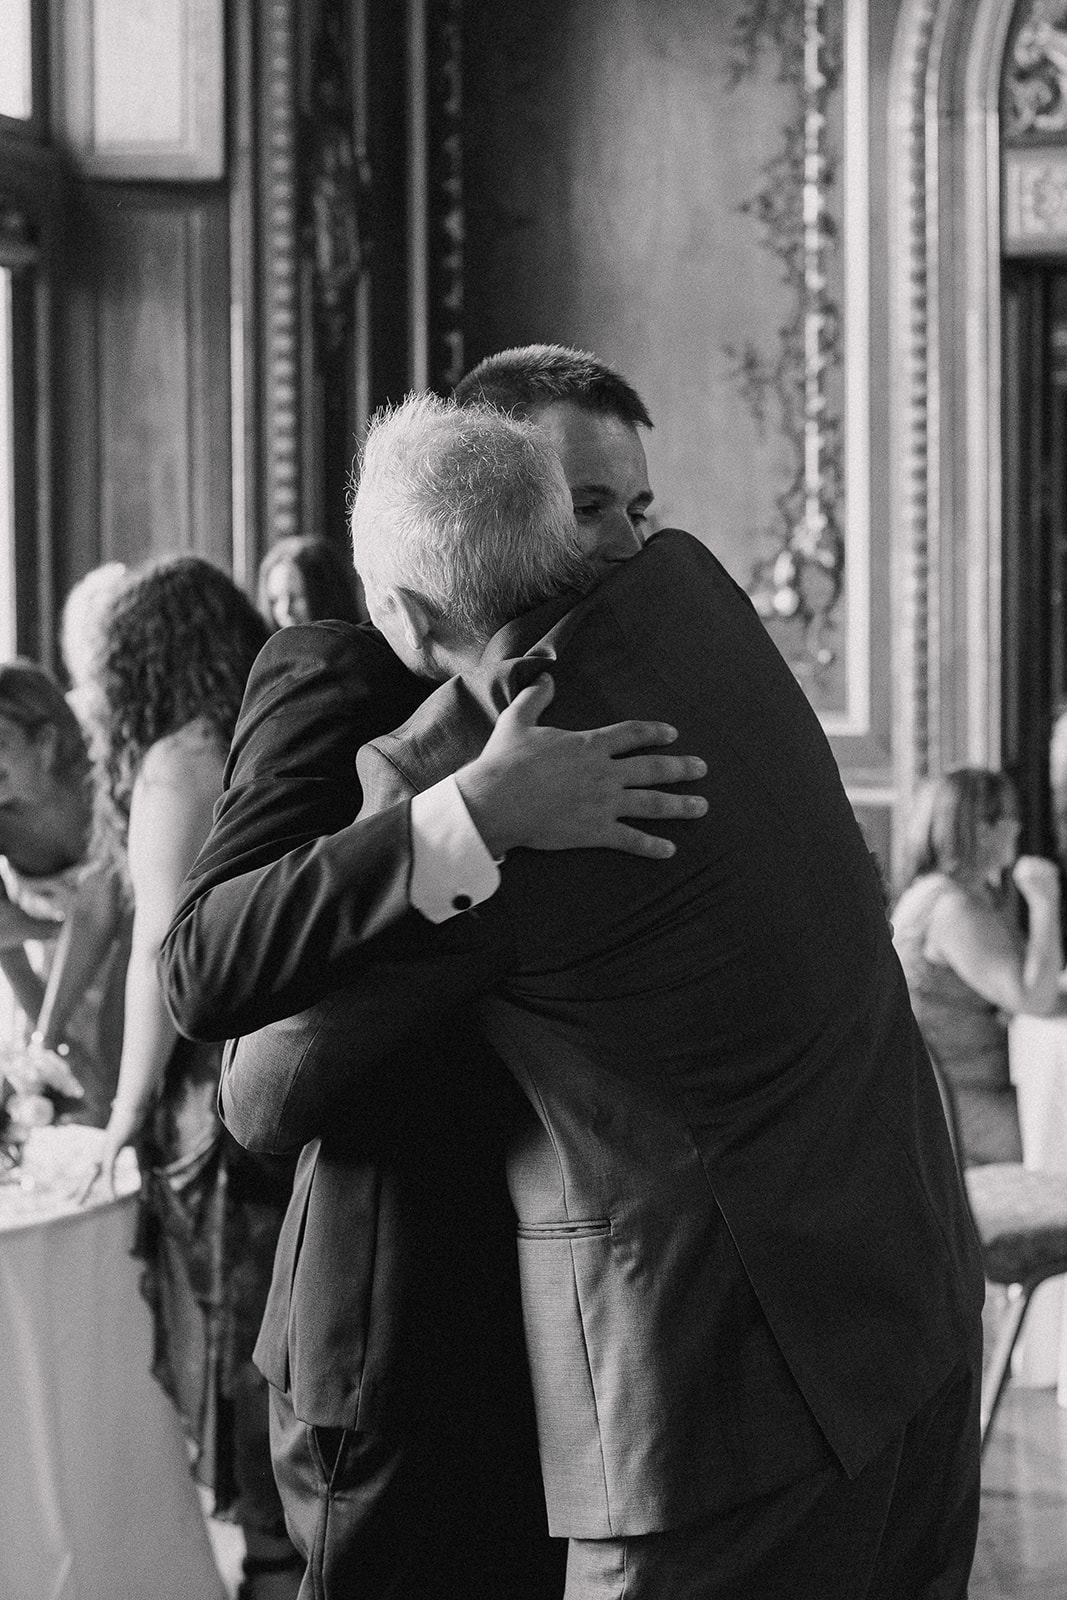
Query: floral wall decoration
(797, 579)
(1035, 82)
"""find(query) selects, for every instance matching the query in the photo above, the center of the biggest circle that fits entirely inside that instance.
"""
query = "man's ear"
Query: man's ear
(415, 618)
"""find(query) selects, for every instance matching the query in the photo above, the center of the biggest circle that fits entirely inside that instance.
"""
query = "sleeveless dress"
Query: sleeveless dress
(210, 1214)
(968, 1034)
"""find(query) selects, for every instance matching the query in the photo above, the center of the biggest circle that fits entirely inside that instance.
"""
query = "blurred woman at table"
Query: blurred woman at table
(180, 642)
(64, 914)
(970, 968)
(308, 579)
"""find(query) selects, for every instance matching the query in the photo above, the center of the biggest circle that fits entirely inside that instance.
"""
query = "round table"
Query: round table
(96, 1492)
(1037, 1048)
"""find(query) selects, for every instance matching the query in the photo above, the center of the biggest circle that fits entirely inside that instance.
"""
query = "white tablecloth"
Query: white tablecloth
(96, 1496)
(1038, 1053)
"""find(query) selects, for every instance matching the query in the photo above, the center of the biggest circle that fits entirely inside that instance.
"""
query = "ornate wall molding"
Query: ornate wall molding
(335, 183)
(943, 109)
(447, 220)
(280, 273)
(800, 582)
(1035, 202)
(914, 390)
(436, 222)
(1035, 80)
(812, 585)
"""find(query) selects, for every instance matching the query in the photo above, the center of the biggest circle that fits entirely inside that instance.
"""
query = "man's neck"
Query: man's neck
(452, 660)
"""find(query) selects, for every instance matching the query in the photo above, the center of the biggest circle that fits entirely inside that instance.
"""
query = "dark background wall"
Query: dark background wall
(605, 161)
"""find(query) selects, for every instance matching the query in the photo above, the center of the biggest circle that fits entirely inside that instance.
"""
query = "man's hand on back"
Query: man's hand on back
(552, 789)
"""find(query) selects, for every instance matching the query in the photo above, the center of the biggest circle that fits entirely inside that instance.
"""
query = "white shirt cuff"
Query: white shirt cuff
(451, 868)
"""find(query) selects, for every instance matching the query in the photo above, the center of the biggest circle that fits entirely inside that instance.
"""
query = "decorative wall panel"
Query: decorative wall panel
(810, 581)
(147, 379)
(1035, 202)
(140, 88)
(669, 185)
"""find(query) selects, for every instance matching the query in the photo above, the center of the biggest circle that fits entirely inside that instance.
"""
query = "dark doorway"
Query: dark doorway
(1035, 535)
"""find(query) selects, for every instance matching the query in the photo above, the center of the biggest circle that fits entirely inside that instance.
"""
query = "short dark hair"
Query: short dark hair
(521, 379)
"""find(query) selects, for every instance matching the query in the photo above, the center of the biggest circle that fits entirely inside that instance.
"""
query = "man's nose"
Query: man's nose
(619, 539)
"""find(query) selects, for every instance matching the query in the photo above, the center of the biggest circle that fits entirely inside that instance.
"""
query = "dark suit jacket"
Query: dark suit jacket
(743, 1241)
(284, 832)
(394, 1306)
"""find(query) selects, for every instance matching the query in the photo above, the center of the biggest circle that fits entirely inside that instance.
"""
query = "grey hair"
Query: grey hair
(467, 509)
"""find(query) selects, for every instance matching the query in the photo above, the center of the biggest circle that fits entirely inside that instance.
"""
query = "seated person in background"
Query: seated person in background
(64, 917)
(81, 632)
(969, 966)
(308, 580)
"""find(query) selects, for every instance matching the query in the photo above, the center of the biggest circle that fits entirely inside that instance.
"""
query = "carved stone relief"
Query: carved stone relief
(1035, 200)
(1035, 79)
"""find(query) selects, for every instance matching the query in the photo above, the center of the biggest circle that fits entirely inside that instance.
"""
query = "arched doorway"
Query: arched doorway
(1033, 128)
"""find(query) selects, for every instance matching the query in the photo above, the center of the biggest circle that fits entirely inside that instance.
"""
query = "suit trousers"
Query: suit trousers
(903, 1529)
(405, 1517)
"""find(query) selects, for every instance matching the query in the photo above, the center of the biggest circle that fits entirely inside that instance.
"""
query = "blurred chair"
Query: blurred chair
(1021, 1221)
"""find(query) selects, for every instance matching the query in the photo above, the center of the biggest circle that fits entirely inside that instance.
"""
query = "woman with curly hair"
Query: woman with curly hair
(180, 642)
(958, 934)
(308, 579)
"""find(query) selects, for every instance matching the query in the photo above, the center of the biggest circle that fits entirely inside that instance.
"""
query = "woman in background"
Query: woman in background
(82, 629)
(969, 966)
(181, 640)
(64, 917)
(308, 580)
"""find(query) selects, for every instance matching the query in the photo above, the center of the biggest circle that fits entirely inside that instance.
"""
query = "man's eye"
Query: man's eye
(587, 513)
(639, 518)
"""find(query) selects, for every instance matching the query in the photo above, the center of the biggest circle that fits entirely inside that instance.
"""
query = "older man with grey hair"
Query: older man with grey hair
(443, 565)
(401, 1420)
(751, 1289)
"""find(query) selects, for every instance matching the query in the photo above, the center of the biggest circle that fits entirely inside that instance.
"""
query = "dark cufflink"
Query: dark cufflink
(461, 902)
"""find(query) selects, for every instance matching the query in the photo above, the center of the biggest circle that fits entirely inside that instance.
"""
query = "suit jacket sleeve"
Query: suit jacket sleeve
(289, 884)
(327, 1067)
(292, 1081)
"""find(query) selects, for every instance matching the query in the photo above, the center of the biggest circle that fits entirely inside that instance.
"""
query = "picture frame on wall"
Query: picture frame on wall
(140, 90)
